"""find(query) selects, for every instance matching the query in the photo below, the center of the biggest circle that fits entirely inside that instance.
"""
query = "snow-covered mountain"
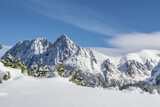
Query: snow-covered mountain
(62, 50)
(28, 49)
(96, 69)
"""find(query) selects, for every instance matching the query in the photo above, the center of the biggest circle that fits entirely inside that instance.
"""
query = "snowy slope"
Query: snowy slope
(28, 91)
(25, 91)
(57, 92)
(15, 73)
(149, 56)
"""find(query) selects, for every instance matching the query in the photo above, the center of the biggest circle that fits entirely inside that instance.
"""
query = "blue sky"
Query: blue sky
(101, 24)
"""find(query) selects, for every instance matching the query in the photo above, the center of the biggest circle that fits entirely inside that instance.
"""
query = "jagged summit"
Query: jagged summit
(63, 40)
(33, 40)
(28, 49)
(32, 50)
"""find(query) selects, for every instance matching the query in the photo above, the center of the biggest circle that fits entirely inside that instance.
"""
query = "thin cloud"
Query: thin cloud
(136, 41)
(128, 43)
(77, 15)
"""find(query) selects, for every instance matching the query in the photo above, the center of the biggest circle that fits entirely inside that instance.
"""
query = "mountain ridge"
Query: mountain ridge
(97, 69)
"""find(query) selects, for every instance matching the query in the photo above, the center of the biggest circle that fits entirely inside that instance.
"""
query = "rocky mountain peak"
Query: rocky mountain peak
(63, 39)
(63, 45)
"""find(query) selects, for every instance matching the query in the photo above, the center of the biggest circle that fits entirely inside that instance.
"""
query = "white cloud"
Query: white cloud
(136, 42)
(129, 43)
(4, 49)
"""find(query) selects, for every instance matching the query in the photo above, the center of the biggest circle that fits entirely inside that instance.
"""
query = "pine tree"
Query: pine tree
(23, 67)
(38, 70)
(42, 70)
(77, 79)
(15, 65)
(0, 46)
(9, 61)
(29, 73)
(6, 62)
(60, 69)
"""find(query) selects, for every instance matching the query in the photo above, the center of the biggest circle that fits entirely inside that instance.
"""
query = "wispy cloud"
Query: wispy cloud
(91, 20)
(75, 14)
(135, 41)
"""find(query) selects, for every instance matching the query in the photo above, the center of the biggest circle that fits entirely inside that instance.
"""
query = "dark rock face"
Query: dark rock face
(134, 68)
(113, 76)
(155, 78)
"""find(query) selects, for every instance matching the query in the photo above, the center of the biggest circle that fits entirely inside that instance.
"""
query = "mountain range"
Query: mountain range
(98, 70)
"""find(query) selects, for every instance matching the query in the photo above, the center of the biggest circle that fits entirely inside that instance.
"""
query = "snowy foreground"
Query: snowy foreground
(24, 91)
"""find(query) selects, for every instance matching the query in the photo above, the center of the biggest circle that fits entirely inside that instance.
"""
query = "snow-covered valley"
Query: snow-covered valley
(25, 91)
